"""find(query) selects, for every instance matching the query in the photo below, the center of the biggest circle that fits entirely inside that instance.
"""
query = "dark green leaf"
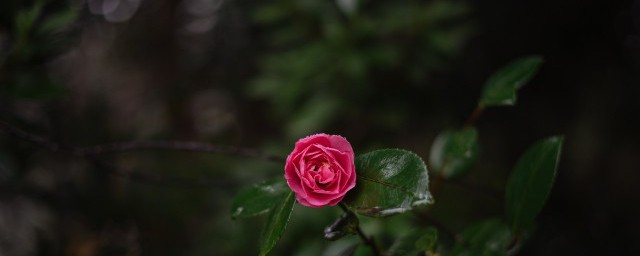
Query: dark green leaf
(428, 241)
(531, 181)
(59, 21)
(490, 237)
(414, 242)
(276, 223)
(453, 152)
(25, 19)
(349, 251)
(501, 88)
(363, 251)
(258, 198)
(37, 87)
(270, 14)
(389, 181)
(312, 116)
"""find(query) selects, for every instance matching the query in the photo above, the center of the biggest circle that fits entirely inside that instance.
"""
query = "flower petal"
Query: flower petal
(340, 143)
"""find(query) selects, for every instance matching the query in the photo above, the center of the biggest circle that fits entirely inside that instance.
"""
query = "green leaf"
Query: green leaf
(389, 181)
(501, 88)
(414, 242)
(428, 241)
(59, 21)
(312, 116)
(258, 198)
(349, 251)
(276, 223)
(453, 152)
(489, 237)
(25, 19)
(269, 14)
(531, 181)
(35, 85)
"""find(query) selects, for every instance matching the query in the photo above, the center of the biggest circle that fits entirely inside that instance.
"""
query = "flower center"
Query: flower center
(323, 173)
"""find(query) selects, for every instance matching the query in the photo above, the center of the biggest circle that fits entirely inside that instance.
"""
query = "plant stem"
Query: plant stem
(512, 248)
(174, 145)
(369, 241)
(102, 149)
(474, 116)
(91, 153)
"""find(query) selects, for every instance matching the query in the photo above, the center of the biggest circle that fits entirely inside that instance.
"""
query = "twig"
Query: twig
(474, 116)
(92, 153)
(156, 179)
(30, 137)
(138, 145)
(174, 145)
(369, 241)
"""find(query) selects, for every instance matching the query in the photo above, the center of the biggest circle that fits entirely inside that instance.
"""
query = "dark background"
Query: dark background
(261, 74)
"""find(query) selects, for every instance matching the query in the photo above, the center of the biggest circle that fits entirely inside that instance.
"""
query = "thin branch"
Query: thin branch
(157, 179)
(369, 241)
(30, 137)
(138, 145)
(92, 153)
(174, 145)
(474, 116)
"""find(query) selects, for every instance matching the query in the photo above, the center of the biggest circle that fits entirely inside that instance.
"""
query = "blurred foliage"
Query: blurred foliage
(276, 70)
(454, 152)
(501, 88)
(31, 33)
(321, 62)
(487, 238)
(415, 242)
(327, 58)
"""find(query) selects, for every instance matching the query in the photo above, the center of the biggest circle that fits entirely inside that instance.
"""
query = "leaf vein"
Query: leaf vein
(401, 189)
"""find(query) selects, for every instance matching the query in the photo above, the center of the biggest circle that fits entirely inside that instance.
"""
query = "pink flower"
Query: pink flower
(320, 170)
